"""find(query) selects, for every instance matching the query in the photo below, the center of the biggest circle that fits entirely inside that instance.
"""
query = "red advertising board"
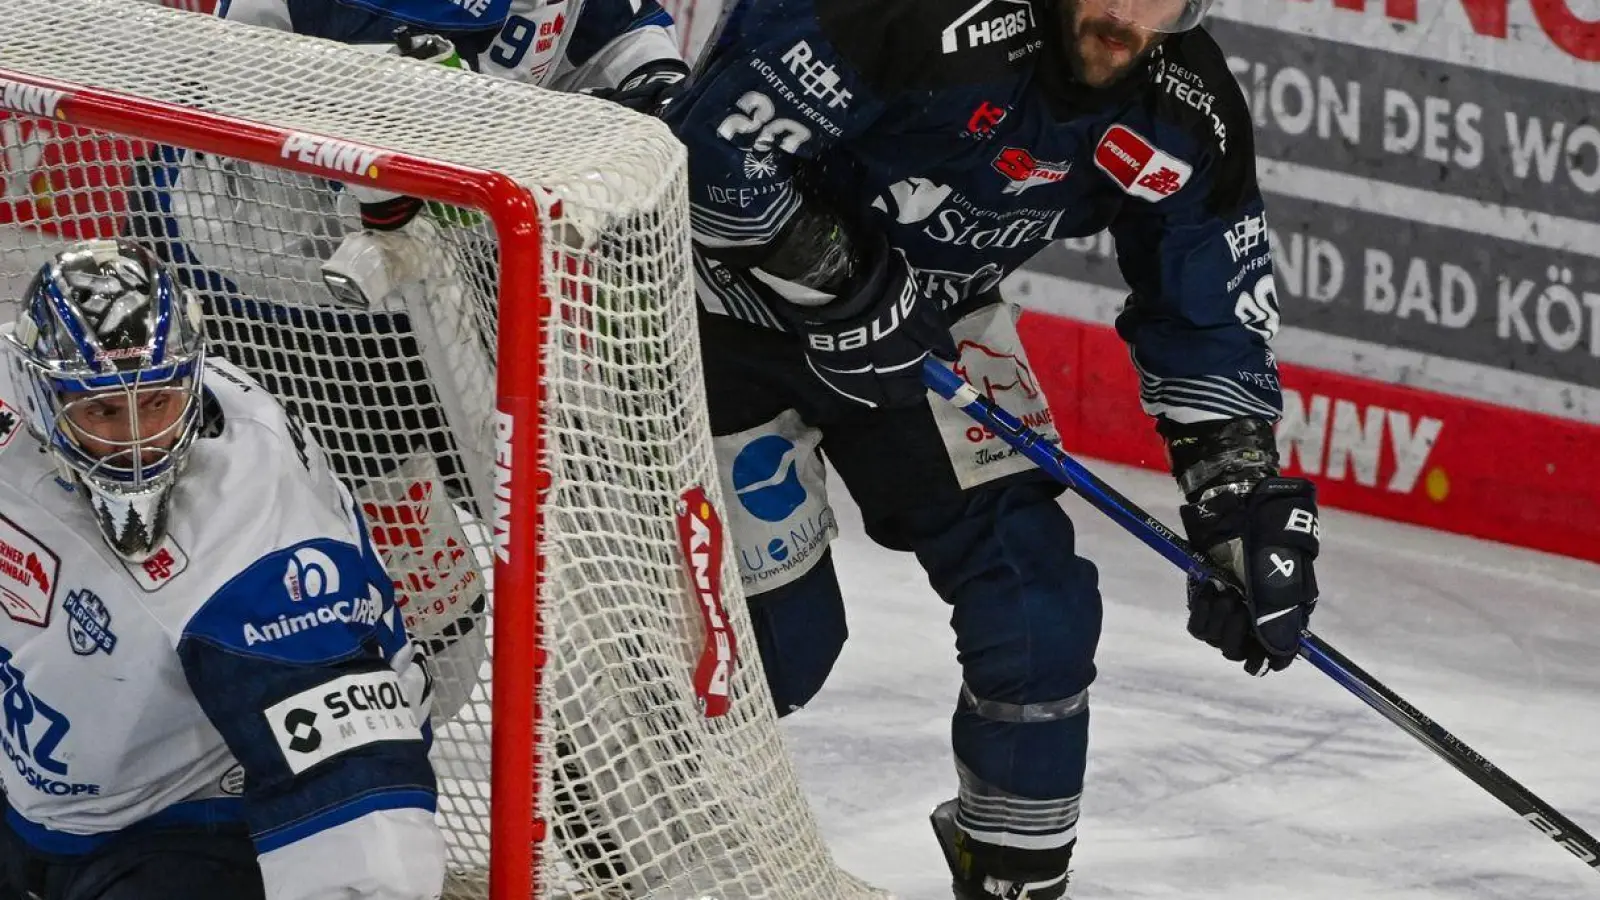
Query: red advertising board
(1383, 449)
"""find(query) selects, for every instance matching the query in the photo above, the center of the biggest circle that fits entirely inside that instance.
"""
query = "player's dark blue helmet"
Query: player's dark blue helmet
(112, 348)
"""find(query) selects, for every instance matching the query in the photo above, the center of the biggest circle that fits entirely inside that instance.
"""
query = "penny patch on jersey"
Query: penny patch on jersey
(28, 571)
(1142, 169)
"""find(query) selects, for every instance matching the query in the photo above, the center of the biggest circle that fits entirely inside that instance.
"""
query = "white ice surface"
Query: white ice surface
(1206, 783)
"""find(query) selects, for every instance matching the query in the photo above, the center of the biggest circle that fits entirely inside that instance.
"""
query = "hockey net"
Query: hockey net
(521, 417)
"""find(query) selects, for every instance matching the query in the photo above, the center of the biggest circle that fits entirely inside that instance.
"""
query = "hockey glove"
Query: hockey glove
(868, 345)
(384, 210)
(649, 88)
(1260, 528)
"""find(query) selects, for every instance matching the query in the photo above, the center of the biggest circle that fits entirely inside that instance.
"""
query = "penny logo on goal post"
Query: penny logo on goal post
(337, 156)
(700, 537)
(31, 99)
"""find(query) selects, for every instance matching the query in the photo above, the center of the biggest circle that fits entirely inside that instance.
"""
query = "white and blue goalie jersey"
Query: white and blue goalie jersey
(253, 670)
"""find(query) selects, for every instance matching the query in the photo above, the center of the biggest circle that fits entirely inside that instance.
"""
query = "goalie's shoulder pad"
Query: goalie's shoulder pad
(929, 45)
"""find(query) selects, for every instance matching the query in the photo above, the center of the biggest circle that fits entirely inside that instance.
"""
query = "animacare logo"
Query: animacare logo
(31, 99)
(310, 575)
(333, 155)
(700, 539)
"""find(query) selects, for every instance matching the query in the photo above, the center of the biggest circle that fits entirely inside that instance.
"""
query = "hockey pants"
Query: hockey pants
(168, 864)
(985, 526)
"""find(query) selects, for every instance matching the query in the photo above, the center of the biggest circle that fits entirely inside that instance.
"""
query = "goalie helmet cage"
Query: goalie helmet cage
(521, 420)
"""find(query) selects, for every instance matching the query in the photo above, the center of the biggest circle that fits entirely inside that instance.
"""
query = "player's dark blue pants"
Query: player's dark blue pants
(191, 863)
(1025, 607)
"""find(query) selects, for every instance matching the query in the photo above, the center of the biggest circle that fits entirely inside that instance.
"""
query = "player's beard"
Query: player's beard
(1101, 50)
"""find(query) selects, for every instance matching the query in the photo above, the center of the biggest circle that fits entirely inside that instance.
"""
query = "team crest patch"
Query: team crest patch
(160, 567)
(89, 625)
(28, 571)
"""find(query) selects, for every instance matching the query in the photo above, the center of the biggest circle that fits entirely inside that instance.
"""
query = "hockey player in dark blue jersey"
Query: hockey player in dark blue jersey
(863, 175)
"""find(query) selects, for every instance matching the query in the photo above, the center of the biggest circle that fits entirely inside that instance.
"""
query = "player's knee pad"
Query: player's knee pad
(800, 629)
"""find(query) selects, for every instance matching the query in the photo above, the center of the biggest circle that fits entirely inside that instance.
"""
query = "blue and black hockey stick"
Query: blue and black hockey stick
(1334, 664)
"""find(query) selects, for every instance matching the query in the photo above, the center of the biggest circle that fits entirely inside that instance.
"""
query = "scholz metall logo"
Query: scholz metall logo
(766, 477)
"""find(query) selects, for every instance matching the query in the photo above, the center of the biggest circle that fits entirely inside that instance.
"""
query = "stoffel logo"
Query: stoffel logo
(700, 539)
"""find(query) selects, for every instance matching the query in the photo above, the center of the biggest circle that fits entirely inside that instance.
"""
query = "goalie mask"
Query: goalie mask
(113, 352)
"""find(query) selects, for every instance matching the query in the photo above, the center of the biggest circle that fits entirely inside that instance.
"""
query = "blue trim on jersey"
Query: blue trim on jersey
(435, 14)
(191, 813)
(371, 802)
(660, 17)
(315, 602)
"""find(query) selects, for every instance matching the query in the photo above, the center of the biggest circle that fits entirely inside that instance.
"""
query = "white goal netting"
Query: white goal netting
(226, 149)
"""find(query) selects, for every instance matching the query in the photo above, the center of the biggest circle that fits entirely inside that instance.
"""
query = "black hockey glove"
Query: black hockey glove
(1260, 528)
(382, 210)
(649, 88)
(868, 345)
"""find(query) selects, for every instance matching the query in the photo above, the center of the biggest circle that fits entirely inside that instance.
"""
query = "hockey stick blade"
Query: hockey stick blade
(1147, 528)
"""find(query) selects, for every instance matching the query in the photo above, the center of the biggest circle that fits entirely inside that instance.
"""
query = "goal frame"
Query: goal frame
(521, 479)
